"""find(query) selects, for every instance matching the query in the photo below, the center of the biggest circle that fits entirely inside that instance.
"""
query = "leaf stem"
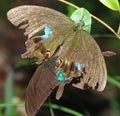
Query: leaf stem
(96, 18)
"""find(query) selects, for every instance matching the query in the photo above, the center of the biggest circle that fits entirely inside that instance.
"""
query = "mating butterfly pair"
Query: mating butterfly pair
(64, 51)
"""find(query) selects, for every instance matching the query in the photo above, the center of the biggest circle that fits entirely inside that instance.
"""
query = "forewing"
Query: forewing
(34, 18)
(41, 85)
(82, 48)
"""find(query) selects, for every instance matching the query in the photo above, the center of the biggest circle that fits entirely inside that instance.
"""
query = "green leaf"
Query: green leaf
(112, 4)
(25, 62)
(70, 10)
(82, 17)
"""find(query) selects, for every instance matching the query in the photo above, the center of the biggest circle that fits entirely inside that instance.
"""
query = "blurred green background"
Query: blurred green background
(14, 76)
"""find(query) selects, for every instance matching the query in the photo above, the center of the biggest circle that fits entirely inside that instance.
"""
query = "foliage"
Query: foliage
(83, 18)
(112, 4)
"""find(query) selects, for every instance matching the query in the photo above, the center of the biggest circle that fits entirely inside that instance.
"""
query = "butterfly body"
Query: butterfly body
(65, 52)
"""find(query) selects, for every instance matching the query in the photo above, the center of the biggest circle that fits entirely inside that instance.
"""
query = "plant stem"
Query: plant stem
(106, 25)
(96, 18)
(114, 82)
(64, 109)
(51, 109)
(68, 3)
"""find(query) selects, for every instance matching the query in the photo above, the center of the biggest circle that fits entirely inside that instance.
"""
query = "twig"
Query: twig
(96, 18)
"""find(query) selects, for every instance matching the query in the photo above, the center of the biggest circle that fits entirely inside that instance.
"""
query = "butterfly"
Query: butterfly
(66, 54)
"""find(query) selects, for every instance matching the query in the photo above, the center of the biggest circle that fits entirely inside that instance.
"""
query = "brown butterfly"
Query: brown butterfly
(64, 50)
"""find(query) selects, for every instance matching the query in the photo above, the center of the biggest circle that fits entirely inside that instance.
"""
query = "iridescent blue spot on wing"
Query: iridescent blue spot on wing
(79, 66)
(60, 75)
(58, 72)
(47, 31)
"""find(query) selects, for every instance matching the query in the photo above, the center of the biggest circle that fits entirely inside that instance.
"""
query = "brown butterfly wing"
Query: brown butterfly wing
(41, 85)
(34, 18)
(82, 48)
